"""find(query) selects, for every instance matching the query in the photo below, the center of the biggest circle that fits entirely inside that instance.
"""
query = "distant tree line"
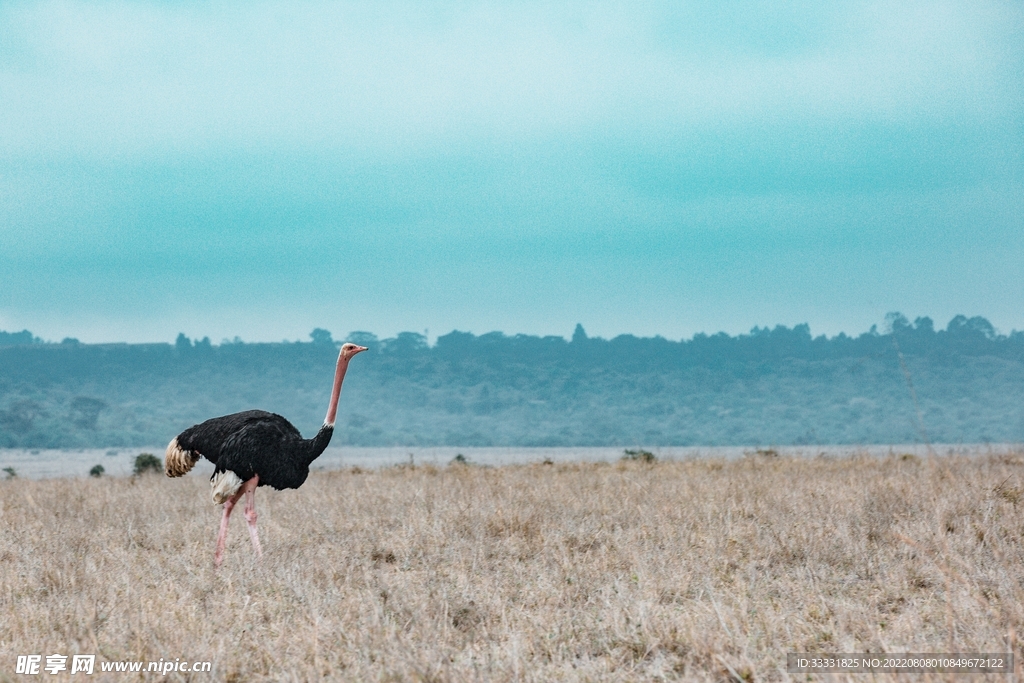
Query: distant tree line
(771, 386)
(18, 338)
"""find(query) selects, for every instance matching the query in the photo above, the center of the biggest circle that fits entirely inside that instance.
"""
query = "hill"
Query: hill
(963, 384)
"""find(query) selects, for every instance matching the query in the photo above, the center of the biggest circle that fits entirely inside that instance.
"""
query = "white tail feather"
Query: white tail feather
(225, 484)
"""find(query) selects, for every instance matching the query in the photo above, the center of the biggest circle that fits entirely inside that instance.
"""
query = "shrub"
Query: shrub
(147, 461)
(638, 454)
(96, 471)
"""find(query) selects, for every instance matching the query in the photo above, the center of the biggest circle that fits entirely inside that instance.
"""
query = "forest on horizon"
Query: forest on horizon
(780, 386)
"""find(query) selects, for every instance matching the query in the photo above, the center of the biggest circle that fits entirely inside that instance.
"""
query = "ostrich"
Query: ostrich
(253, 448)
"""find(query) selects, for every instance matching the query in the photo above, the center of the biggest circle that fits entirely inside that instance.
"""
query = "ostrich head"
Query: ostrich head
(348, 349)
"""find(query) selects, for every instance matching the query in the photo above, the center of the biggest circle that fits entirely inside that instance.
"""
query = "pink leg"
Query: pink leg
(222, 535)
(250, 512)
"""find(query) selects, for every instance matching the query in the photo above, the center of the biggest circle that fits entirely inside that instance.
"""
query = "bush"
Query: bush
(96, 471)
(147, 461)
(638, 454)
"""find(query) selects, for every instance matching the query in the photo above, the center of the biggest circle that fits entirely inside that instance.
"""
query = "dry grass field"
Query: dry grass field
(699, 570)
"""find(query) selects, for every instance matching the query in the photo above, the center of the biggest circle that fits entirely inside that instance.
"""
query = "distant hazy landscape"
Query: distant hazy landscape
(908, 384)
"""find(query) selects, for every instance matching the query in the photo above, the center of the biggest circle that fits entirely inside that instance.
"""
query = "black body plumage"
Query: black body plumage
(256, 442)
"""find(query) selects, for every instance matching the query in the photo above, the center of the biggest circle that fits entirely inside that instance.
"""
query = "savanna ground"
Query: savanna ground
(697, 570)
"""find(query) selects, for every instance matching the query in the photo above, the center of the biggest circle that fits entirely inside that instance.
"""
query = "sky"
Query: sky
(256, 170)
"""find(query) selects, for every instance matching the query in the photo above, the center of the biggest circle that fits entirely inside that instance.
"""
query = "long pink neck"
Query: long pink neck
(339, 377)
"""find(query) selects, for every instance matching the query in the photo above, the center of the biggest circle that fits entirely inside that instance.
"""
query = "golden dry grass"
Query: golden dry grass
(700, 570)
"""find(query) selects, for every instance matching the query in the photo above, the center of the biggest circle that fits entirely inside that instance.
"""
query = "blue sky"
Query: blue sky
(261, 169)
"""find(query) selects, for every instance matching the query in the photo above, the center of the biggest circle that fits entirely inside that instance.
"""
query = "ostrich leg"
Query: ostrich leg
(222, 535)
(250, 512)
